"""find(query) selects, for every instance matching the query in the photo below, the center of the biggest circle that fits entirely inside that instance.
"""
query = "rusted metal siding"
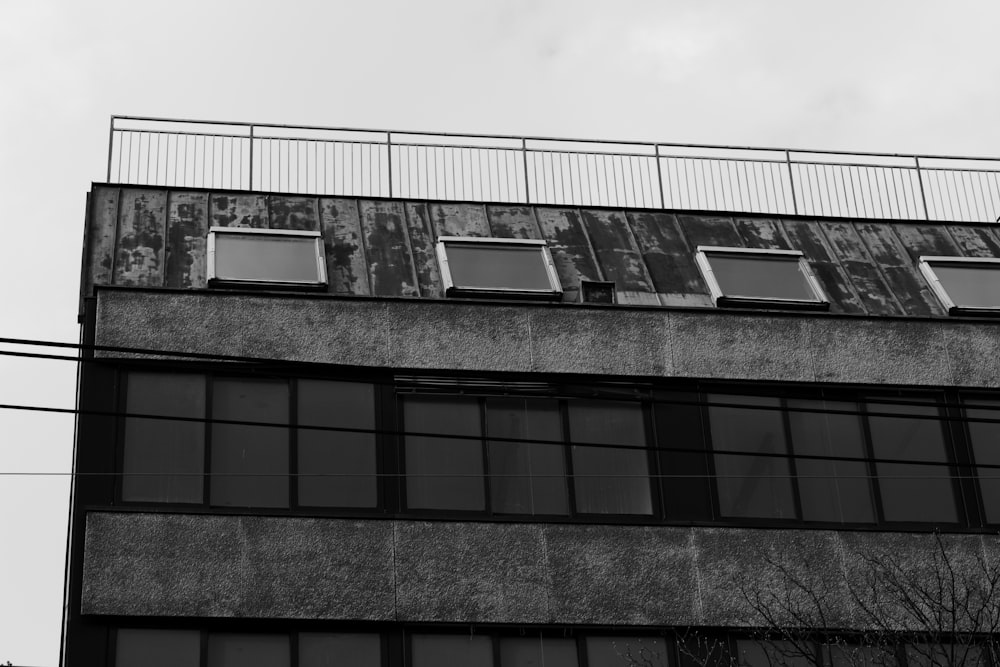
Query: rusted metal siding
(390, 264)
(156, 237)
(139, 253)
(346, 264)
(187, 233)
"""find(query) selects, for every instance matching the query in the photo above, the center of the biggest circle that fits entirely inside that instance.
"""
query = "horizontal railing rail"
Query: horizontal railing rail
(304, 159)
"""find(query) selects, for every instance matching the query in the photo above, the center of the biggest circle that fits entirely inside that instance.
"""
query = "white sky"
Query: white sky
(869, 75)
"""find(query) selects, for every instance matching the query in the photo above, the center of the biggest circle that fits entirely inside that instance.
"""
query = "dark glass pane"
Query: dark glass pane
(751, 486)
(265, 258)
(318, 649)
(680, 437)
(245, 650)
(491, 266)
(986, 452)
(250, 463)
(451, 651)
(158, 648)
(859, 656)
(761, 277)
(172, 452)
(443, 473)
(971, 286)
(945, 655)
(537, 652)
(608, 480)
(831, 490)
(626, 652)
(337, 468)
(526, 477)
(775, 653)
(912, 492)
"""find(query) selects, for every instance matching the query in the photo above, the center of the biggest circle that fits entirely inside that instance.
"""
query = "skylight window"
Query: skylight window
(965, 285)
(265, 257)
(744, 277)
(517, 268)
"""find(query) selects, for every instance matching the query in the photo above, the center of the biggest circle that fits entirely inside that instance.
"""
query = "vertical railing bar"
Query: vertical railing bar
(111, 143)
(895, 190)
(965, 195)
(704, 184)
(854, 192)
(920, 182)
(758, 168)
(524, 157)
(251, 159)
(659, 175)
(791, 182)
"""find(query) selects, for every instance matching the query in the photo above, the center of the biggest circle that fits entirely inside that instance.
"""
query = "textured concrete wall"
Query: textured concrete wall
(412, 571)
(428, 334)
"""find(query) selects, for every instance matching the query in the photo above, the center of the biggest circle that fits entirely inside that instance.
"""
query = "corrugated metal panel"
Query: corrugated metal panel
(390, 264)
(294, 213)
(239, 210)
(669, 260)
(346, 263)
(570, 247)
(619, 256)
(910, 289)
(422, 241)
(513, 222)
(187, 233)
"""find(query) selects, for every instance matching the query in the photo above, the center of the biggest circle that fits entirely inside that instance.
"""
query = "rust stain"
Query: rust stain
(239, 210)
(808, 237)
(346, 264)
(425, 261)
(294, 213)
(920, 240)
(570, 249)
(669, 260)
(616, 251)
(975, 241)
(910, 289)
(389, 263)
(187, 234)
(459, 220)
(709, 230)
(868, 281)
(101, 237)
(512, 222)
(761, 233)
(140, 251)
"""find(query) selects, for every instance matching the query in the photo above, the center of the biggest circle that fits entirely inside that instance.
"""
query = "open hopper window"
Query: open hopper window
(743, 277)
(965, 285)
(265, 258)
(517, 268)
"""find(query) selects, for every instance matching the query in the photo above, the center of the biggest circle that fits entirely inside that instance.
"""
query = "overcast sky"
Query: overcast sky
(871, 75)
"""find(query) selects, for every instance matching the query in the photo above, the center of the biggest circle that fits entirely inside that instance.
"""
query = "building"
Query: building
(395, 402)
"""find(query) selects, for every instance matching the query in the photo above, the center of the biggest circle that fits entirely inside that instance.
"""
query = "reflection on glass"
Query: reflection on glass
(831, 490)
(751, 486)
(609, 480)
(157, 648)
(337, 468)
(451, 651)
(971, 286)
(171, 452)
(776, 653)
(492, 266)
(912, 491)
(537, 652)
(526, 477)
(945, 655)
(847, 655)
(761, 276)
(324, 649)
(249, 463)
(626, 652)
(986, 452)
(443, 473)
(245, 650)
(266, 258)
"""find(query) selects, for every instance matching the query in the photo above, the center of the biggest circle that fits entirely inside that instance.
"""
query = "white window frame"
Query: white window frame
(702, 258)
(214, 280)
(926, 262)
(554, 291)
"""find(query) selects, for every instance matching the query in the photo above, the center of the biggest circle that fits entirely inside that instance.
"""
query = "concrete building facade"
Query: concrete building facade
(370, 467)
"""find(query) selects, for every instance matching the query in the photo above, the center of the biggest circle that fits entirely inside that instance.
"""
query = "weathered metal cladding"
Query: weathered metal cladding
(139, 252)
(157, 237)
(346, 263)
(390, 262)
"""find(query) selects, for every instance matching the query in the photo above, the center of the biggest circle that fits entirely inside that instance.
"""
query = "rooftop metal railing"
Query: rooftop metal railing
(538, 170)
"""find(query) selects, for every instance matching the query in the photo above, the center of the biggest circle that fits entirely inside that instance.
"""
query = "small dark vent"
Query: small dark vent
(597, 291)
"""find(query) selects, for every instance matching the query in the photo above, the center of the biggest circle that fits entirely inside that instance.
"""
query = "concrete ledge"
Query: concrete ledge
(151, 564)
(435, 335)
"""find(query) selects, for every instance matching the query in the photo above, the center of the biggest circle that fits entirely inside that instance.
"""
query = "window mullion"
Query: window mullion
(870, 454)
(792, 468)
(207, 475)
